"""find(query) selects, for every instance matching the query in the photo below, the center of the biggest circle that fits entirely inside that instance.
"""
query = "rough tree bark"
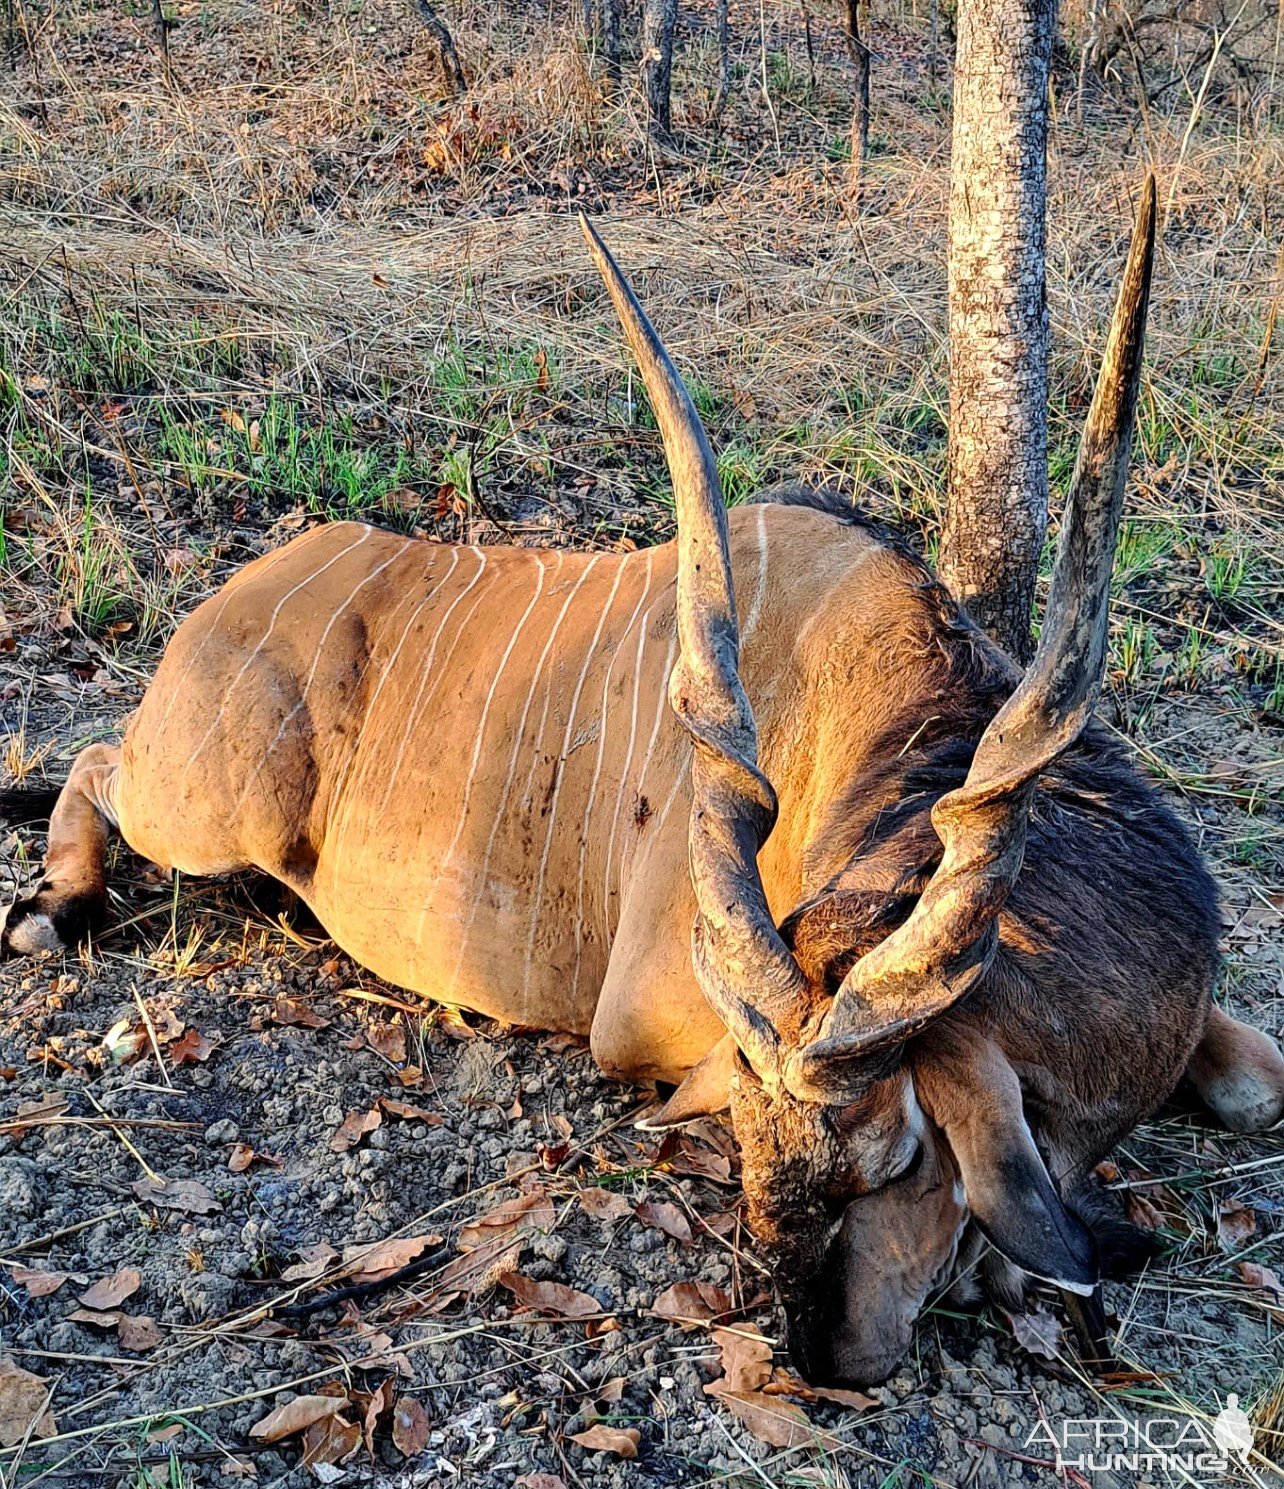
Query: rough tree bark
(724, 60)
(452, 71)
(162, 24)
(611, 38)
(997, 508)
(659, 17)
(859, 51)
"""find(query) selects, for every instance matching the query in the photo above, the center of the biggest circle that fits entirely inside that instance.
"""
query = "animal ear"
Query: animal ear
(966, 1086)
(705, 1089)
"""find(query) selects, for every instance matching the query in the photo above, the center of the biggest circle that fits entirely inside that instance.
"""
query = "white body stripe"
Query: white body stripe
(559, 777)
(337, 801)
(499, 813)
(760, 584)
(597, 769)
(312, 672)
(212, 629)
(267, 635)
(628, 763)
(490, 699)
(407, 732)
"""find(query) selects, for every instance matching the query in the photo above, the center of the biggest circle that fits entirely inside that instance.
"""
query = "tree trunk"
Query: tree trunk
(452, 71)
(997, 507)
(860, 105)
(811, 46)
(724, 61)
(161, 22)
(611, 38)
(659, 17)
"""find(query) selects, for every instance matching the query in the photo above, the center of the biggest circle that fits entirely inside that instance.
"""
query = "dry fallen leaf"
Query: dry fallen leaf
(1262, 1278)
(179, 560)
(540, 1481)
(23, 1406)
(691, 1303)
(746, 1360)
(139, 1334)
(666, 1217)
(95, 1318)
(354, 1127)
(377, 1405)
(409, 1112)
(563, 1043)
(192, 1049)
(696, 1159)
(550, 1297)
(313, 1260)
(1236, 1225)
(1142, 1211)
(113, 1290)
(388, 1038)
(779, 1423)
(188, 1195)
(295, 1011)
(1037, 1332)
(622, 1441)
(604, 1204)
(532, 1210)
(296, 1416)
(373, 1263)
(411, 1425)
(330, 1440)
(371, 1349)
(478, 1270)
(33, 1113)
(38, 1284)
(126, 1041)
(787, 1383)
(243, 1156)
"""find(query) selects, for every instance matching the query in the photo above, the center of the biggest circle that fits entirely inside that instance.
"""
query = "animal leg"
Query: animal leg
(1239, 1074)
(1087, 1314)
(71, 898)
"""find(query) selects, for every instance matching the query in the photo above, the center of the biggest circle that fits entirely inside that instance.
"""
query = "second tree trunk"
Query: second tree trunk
(998, 318)
(658, 20)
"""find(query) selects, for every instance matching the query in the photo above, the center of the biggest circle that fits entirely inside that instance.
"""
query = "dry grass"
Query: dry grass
(301, 280)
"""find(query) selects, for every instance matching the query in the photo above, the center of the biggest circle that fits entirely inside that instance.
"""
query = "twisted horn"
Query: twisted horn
(743, 967)
(931, 961)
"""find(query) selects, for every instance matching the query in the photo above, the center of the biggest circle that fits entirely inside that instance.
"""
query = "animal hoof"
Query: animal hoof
(26, 931)
(47, 922)
(1239, 1073)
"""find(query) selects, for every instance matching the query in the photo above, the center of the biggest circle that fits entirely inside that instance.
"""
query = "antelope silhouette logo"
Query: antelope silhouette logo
(1232, 1430)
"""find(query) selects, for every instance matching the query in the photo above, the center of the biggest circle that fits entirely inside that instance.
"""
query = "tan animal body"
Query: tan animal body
(975, 950)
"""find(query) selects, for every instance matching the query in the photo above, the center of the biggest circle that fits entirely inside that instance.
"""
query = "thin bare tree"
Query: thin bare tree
(452, 70)
(162, 24)
(724, 60)
(659, 18)
(611, 38)
(859, 51)
(997, 508)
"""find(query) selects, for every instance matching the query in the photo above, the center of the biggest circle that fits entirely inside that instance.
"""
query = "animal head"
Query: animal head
(873, 1119)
